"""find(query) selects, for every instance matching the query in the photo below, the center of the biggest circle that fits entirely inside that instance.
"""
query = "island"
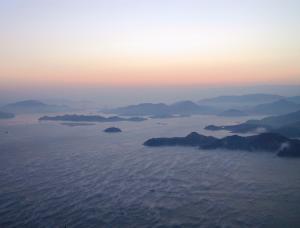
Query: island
(169, 116)
(90, 118)
(33, 106)
(163, 116)
(248, 99)
(279, 107)
(240, 128)
(232, 113)
(287, 125)
(112, 130)
(271, 142)
(162, 109)
(76, 124)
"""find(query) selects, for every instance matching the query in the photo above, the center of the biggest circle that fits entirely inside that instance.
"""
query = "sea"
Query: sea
(57, 175)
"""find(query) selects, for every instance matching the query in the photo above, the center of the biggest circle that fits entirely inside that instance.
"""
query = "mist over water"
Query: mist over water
(55, 176)
(106, 96)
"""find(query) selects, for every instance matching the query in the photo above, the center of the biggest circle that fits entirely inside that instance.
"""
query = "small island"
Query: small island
(271, 142)
(112, 130)
(90, 118)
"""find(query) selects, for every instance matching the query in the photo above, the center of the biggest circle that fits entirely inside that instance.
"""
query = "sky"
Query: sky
(137, 43)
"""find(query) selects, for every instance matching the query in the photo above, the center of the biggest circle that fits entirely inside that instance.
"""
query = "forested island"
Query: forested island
(90, 118)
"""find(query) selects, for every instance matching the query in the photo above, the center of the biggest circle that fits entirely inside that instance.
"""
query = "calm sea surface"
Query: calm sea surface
(53, 175)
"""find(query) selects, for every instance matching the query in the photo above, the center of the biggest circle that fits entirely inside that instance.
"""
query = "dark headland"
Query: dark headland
(271, 142)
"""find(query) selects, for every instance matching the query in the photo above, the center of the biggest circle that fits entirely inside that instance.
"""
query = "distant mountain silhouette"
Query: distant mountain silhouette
(287, 125)
(33, 106)
(240, 128)
(89, 118)
(163, 116)
(263, 142)
(276, 108)
(232, 113)
(295, 99)
(6, 115)
(239, 105)
(141, 109)
(278, 121)
(290, 130)
(161, 109)
(189, 107)
(248, 98)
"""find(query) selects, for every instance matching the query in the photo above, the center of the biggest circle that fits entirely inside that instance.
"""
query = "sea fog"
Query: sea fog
(54, 175)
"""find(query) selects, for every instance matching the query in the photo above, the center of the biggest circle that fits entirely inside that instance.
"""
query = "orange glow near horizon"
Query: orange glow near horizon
(195, 44)
(152, 71)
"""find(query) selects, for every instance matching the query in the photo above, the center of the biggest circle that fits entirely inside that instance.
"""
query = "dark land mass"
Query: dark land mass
(256, 103)
(161, 109)
(6, 115)
(232, 113)
(190, 108)
(112, 130)
(248, 98)
(143, 109)
(278, 121)
(272, 142)
(279, 107)
(33, 106)
(77, 124)
(288, 125)
(163, 116)
(239, 128)
(90, 118)
(295, 99)
(237, 105)
(169, 116)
